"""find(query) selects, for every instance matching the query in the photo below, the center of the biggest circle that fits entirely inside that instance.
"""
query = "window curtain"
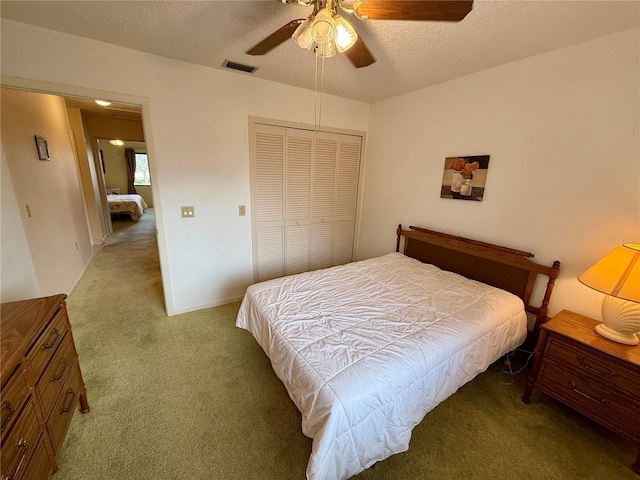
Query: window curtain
(130, 159)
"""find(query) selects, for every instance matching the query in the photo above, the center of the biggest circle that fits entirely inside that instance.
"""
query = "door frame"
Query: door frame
(88, 93)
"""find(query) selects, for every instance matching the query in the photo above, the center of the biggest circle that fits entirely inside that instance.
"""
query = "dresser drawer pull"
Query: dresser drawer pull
(58, 377)
(21, 444)
(49, 346)
(574, 387)
(6, 405)
(594, 370)
(72, 394)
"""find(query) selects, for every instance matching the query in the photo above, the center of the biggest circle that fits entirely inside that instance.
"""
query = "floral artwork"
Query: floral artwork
(464, 177)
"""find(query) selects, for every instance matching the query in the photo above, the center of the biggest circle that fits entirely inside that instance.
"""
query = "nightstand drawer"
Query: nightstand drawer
(589, 363)
(606, 405)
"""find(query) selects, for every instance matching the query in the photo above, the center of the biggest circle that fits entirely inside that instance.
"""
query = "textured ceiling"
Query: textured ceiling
(409, 55)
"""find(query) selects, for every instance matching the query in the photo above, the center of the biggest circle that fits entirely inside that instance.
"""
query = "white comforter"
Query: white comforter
(365, 350)
(132, 204)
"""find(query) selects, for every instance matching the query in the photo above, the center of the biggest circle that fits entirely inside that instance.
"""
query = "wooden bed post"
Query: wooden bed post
(541, 317)
(399, 234)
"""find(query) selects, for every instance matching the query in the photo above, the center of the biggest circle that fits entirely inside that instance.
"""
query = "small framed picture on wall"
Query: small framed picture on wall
(464, 177)
(42, 147)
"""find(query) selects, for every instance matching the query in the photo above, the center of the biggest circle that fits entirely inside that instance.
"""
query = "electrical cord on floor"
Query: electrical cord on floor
(510, 371)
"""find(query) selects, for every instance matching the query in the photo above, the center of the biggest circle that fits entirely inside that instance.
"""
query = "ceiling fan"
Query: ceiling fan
(326, 32)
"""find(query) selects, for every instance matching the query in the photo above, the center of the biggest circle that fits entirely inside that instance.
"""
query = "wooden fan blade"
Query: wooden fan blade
(434, 10)
(360, 55)
(275, 39)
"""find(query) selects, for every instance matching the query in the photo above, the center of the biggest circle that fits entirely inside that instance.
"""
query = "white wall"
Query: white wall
(563, 182)
(18, 277)
(196, 129)
(114, 165)
(56, 232)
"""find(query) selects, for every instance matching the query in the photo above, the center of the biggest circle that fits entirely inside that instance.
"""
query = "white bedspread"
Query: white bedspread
(131, 204)
(365, 350)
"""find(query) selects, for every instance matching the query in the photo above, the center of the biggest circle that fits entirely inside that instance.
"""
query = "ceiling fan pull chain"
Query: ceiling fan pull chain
(321, 93)
(316, 127)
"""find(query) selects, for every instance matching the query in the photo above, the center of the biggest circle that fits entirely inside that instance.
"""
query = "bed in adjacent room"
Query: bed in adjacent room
(366, 350)
(130, 204)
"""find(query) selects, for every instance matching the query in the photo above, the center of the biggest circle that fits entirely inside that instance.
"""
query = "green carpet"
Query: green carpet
(192, 396)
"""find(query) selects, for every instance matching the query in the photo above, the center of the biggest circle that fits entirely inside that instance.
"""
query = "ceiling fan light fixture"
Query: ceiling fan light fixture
(346, 36)
(323, 29)
(302, 36)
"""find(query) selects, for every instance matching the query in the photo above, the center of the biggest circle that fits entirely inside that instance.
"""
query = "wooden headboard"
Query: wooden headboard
(502, 267)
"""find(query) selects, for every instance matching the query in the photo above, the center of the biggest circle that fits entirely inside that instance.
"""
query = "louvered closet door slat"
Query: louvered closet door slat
(297, 249)
(347, 179)
(324, 176)
(342, 250)
(320, 245)
(299, 149)
(270, 252)
(269, 173)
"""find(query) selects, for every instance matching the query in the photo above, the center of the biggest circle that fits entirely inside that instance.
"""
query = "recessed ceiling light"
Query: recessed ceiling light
(103, 103)
(118, 143)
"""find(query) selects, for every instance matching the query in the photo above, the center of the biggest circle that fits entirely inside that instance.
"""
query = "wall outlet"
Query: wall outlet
(242, 210)
(188, 212)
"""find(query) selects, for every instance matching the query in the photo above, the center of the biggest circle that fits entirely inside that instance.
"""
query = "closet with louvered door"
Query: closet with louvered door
(346, 196)
(304, 199)
(267, 201)
(298, 160)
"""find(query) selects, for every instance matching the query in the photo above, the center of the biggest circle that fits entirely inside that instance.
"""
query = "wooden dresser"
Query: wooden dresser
(41, 386)
(595, 376)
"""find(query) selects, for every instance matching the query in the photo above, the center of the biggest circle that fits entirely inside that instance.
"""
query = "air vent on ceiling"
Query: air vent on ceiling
(239, 66)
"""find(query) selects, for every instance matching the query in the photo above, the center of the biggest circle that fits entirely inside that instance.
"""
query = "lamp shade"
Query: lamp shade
(346, 36)
(302, 36)
(323, 29)
(617, 274)
(326, 50)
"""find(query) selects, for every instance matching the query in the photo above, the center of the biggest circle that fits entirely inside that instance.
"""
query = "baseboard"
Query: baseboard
(217, 303)
(79, 277)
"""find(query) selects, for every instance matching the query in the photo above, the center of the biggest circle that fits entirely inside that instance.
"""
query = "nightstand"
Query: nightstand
(595, 376)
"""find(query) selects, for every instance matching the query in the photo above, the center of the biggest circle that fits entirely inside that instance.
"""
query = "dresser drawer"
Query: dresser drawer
(63, 410)
(589, 363)
(46, 345)
(55, 375)
(604, 404)
(19, 445)
(14, 394)
(39, 467)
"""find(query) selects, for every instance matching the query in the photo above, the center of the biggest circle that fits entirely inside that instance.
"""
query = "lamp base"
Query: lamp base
(627, 339)
(620, 320)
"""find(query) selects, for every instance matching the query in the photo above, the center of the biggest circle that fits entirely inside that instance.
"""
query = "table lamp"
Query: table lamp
(618, 276)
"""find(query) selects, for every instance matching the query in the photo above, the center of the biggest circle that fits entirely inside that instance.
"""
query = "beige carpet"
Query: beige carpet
(194, 397)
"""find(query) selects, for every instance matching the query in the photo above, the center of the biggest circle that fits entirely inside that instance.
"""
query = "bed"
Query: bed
(130, 204)
(366, 350)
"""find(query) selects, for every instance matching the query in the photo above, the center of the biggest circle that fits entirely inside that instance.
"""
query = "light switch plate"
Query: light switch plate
(188, 212)
(242, 210)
